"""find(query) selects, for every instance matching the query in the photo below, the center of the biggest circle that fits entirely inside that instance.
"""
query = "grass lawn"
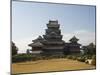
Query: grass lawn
(49, 65)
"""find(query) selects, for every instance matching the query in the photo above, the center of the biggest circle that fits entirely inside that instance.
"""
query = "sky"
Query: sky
(29, 20)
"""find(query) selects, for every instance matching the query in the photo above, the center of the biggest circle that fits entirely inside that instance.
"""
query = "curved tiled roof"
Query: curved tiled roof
(74, 39)
(36, 44)
(38, 39)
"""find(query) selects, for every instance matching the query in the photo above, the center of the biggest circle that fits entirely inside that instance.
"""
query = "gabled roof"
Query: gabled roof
(53, 23)
(39, 39)
(73, 39)
(36, 44)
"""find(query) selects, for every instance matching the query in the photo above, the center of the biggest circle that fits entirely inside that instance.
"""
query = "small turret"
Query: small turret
(73, 40)
(53, 24)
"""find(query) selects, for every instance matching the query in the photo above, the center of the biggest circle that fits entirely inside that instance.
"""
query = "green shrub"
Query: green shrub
(82, 59)
(69, 57)
(22, 58)
(93, 60)
(74, 57)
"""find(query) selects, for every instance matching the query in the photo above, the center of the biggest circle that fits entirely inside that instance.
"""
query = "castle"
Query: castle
(52, 44)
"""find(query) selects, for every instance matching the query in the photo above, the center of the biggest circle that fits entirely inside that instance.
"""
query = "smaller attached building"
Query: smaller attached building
(37, 46)
(73, 47)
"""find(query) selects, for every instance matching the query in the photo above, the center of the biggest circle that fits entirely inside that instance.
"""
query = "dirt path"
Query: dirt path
(49, 65)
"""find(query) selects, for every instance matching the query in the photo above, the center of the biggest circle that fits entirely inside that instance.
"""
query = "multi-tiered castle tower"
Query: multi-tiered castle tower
(52, 44)
(53, 39)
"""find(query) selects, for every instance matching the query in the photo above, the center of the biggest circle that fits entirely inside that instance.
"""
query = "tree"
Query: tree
(28, 51)
(85, 49)
(90, 49)
(14, 49)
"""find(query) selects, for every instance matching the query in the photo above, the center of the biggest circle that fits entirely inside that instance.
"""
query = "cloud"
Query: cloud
(22, 44)
(85, 37)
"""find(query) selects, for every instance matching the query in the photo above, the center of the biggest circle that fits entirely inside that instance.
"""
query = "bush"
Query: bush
(93, 60)
(22, 58)
(43, 57)
(82, 59)
(74, 57)
(69, 57)
(89, 56)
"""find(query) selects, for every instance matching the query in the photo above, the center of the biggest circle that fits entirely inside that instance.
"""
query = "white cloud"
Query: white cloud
(22, 44)
(84, 37)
